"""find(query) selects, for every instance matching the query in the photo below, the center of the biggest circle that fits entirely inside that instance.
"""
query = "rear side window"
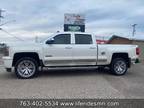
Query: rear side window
(83, 39)
(62, 39)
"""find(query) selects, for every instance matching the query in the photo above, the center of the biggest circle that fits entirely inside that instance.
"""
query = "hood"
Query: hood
(17, 44)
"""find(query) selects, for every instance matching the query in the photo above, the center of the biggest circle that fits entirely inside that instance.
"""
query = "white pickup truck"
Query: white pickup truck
(68, 49)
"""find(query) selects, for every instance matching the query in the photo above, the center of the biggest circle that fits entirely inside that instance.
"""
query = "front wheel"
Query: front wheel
(26, 68)
(119, 66)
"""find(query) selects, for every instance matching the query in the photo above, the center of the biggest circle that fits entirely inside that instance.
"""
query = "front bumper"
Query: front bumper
(7, 62)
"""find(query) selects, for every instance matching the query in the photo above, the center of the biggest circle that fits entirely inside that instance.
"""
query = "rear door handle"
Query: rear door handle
(68, 47)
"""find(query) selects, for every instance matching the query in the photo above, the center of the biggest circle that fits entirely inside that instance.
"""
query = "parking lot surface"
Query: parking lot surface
(84, 83)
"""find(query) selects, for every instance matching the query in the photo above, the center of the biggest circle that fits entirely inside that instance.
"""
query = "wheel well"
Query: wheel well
(122, 55)
(18, 56)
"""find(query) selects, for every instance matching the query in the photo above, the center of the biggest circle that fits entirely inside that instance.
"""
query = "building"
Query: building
(102, 39)
(119, 40)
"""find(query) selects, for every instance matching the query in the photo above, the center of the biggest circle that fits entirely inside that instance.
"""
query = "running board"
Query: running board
(71, 68)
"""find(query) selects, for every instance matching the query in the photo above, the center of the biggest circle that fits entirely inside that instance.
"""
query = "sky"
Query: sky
(43, 17)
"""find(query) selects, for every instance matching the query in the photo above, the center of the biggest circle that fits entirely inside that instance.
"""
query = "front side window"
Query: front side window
(83, 39)
(62, 39)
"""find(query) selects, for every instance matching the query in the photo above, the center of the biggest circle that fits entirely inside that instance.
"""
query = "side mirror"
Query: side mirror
(50, 41)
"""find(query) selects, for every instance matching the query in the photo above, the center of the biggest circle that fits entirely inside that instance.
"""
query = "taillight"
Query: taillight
(137, 51)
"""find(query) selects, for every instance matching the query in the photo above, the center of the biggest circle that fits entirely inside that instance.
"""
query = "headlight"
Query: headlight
(6, 51)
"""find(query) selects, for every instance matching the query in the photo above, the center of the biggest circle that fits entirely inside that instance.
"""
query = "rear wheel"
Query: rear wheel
(119, 66)
(26, 68)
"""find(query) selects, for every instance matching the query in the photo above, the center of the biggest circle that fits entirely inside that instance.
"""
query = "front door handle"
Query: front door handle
(68, 47)
(92, 47)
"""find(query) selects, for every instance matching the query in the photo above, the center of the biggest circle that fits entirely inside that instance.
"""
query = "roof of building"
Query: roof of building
(126, 38)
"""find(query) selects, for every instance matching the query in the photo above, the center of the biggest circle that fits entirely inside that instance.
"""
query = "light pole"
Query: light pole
(134, 30)
(1, 29)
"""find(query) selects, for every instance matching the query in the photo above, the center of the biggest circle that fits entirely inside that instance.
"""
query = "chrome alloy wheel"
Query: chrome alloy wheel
(120, 67)
(26, 68)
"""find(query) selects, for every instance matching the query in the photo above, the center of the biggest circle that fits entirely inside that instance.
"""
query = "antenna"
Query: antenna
(36, 39)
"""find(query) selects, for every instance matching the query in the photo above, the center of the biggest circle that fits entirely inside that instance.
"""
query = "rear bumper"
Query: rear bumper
(134, 61)
(137, 61)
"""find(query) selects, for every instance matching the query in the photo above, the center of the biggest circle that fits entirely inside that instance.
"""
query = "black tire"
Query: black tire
(118, 66)
(25, 72)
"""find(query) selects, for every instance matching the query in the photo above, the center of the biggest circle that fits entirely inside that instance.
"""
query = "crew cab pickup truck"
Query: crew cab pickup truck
(68, 49)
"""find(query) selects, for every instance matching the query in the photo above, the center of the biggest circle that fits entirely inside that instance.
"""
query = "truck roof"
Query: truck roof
(75, 32)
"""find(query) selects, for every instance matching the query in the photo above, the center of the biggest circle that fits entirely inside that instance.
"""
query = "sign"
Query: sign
(74, 22)
(74, 28)
(76, 19)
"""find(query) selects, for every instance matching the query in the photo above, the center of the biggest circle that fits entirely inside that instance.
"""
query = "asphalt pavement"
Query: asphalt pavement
(84, 83)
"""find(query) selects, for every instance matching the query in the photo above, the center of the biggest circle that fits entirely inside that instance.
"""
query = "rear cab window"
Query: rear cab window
(83, 39)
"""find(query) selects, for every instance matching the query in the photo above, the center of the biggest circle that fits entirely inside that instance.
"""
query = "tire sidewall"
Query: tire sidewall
(30, 59)
(113, 63)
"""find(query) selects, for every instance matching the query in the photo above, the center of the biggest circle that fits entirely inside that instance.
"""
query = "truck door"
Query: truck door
(84, 50)
(59, 52)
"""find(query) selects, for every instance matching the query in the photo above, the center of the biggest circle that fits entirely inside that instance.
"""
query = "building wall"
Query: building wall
(119, 41)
